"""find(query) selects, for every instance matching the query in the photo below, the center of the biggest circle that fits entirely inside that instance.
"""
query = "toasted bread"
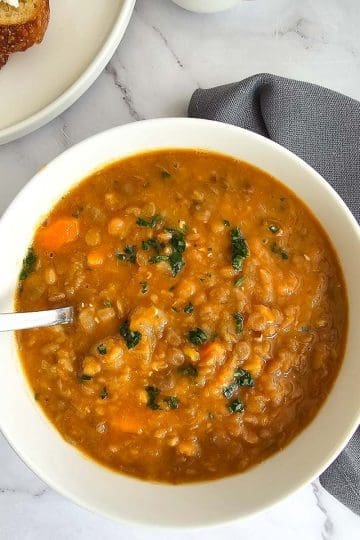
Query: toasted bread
(22, 27)
(3, 59)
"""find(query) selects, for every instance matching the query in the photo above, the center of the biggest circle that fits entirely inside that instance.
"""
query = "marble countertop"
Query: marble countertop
(165, 55)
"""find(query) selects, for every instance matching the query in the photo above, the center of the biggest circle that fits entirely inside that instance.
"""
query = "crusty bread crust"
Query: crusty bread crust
(19, 37)
(3, 59)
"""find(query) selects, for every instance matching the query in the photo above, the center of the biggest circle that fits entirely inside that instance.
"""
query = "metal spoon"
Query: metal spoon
(34, 319)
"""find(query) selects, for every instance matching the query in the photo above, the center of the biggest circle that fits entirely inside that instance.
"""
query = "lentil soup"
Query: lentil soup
(211, 315)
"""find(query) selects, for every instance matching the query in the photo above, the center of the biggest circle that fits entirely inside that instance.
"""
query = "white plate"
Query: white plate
(39, 84)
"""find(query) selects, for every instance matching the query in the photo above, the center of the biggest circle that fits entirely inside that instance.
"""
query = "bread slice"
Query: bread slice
(22, 27)
(3, 59)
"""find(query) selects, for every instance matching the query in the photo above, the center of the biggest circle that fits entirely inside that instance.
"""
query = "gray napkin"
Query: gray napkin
(323, 128)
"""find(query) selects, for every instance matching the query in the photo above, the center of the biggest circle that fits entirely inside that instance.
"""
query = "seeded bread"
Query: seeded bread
(22, 27)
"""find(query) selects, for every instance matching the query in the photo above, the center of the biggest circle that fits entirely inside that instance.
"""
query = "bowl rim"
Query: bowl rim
(158, 124)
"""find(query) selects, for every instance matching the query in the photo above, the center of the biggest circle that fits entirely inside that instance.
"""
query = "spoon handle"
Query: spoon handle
(33, 319)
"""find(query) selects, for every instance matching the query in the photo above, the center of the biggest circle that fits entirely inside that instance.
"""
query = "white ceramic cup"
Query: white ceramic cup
(206, 6)
(206, 503)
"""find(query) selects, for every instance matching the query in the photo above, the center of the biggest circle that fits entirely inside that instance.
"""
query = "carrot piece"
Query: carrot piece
(129, 423)
(56, 234)
(211, 352)
(126, 424)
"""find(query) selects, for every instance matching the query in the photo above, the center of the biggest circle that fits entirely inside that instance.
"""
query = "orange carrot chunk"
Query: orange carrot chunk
(58, 233)
(212, 352)
(130, 421)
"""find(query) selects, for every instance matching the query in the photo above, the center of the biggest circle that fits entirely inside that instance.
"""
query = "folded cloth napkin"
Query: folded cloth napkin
(323, 128)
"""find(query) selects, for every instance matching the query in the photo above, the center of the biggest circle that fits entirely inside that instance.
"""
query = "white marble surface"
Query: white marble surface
(165, 55)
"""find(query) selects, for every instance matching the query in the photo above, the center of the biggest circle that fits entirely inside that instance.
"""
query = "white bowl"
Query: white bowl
(206, 6)
(125, 498)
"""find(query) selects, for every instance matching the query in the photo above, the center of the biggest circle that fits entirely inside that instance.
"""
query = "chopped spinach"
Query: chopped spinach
(104, 393)
(189, 308)
(239, 249)
(188, 369)
(178, 247)
(177, 239)
(158, 258)
(149, 221)
(230, 390)
(102, 349)
(226, 223)
(175, 258)
(172, 402)
(239, 322)
(165, 174)
(129, 254)
(107, 303)
(131, 337)
(152, 395)
(236, 406)
(279, 251)
(241, 378)
(144, 286)
(197, 336)
(153, 244)
(28, 264)
(274, 228)
(176, 262)
(85, 377)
